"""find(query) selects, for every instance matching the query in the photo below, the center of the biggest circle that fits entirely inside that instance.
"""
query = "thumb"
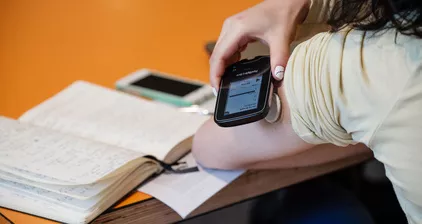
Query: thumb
(279, 55)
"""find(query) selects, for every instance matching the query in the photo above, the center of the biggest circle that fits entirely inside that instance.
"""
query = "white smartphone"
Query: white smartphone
(165, 87)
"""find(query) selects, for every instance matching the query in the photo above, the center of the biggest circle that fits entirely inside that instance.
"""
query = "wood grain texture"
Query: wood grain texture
(249, 185)
(4, 220)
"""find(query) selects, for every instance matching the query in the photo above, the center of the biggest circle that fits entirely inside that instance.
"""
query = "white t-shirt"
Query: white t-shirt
(362, 87)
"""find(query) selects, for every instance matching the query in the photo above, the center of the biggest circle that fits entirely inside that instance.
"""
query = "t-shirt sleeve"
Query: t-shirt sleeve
(340, 86)
(308, 91)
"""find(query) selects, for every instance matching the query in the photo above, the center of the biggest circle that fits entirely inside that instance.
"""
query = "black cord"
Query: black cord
(169, 167)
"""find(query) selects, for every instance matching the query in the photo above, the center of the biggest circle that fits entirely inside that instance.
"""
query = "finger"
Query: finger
(279, 54)
(243, 48)
(225, 53)
(233, 59)
(215, 67)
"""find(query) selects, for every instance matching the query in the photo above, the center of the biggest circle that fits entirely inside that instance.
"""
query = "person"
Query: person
(354, 88)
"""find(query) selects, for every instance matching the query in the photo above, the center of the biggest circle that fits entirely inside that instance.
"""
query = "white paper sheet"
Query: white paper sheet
(185, 192)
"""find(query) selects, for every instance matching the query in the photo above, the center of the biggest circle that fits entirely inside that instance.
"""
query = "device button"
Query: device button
(275, 109)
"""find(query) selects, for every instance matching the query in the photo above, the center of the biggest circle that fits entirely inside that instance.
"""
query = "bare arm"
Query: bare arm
(261, 145)
(227, 153)
(242, 146)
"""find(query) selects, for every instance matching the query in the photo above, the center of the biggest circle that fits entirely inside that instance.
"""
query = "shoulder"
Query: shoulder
(395, 60)
(397, 140)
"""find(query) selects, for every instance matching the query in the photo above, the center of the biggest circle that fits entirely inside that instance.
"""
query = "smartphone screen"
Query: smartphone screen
(163, 84)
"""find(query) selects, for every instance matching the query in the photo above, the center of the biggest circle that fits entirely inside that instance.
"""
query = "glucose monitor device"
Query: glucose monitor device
(246, 94)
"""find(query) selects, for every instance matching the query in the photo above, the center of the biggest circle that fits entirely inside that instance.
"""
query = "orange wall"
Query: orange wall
(47, 44)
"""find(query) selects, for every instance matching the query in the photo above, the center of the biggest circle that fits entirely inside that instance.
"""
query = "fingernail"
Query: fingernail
(279, 72)
(214, 91)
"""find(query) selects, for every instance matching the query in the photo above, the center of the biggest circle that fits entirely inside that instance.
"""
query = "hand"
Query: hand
(272, 22)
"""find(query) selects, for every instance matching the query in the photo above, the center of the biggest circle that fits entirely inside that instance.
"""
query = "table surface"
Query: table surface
(46, 44)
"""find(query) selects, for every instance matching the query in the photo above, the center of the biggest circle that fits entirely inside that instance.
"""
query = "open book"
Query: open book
(79, 152)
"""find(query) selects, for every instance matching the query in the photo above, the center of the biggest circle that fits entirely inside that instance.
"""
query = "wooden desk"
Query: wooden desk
(249, 185)
(46, 44)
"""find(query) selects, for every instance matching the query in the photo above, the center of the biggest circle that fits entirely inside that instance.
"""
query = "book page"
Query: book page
(185, 192)
(33, 176)
(37, 153)
(76, 191)
(59, 208)
(42, 194)
(16, 200)
(76, 204)
(115, 118)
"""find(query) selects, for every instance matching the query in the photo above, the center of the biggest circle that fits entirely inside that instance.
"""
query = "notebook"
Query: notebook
(77, 153)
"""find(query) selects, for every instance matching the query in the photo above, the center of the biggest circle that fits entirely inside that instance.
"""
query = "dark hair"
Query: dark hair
(403, 15)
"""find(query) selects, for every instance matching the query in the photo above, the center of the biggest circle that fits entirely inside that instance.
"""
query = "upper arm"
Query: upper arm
(246, 145)
(241, 146)
(309, 114)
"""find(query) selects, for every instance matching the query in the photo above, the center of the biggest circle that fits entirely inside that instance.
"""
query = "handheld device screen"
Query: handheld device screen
(243, 95)
(163, 84)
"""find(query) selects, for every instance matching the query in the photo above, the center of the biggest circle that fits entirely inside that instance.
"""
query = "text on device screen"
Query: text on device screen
(166, 85)
(243, 95)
